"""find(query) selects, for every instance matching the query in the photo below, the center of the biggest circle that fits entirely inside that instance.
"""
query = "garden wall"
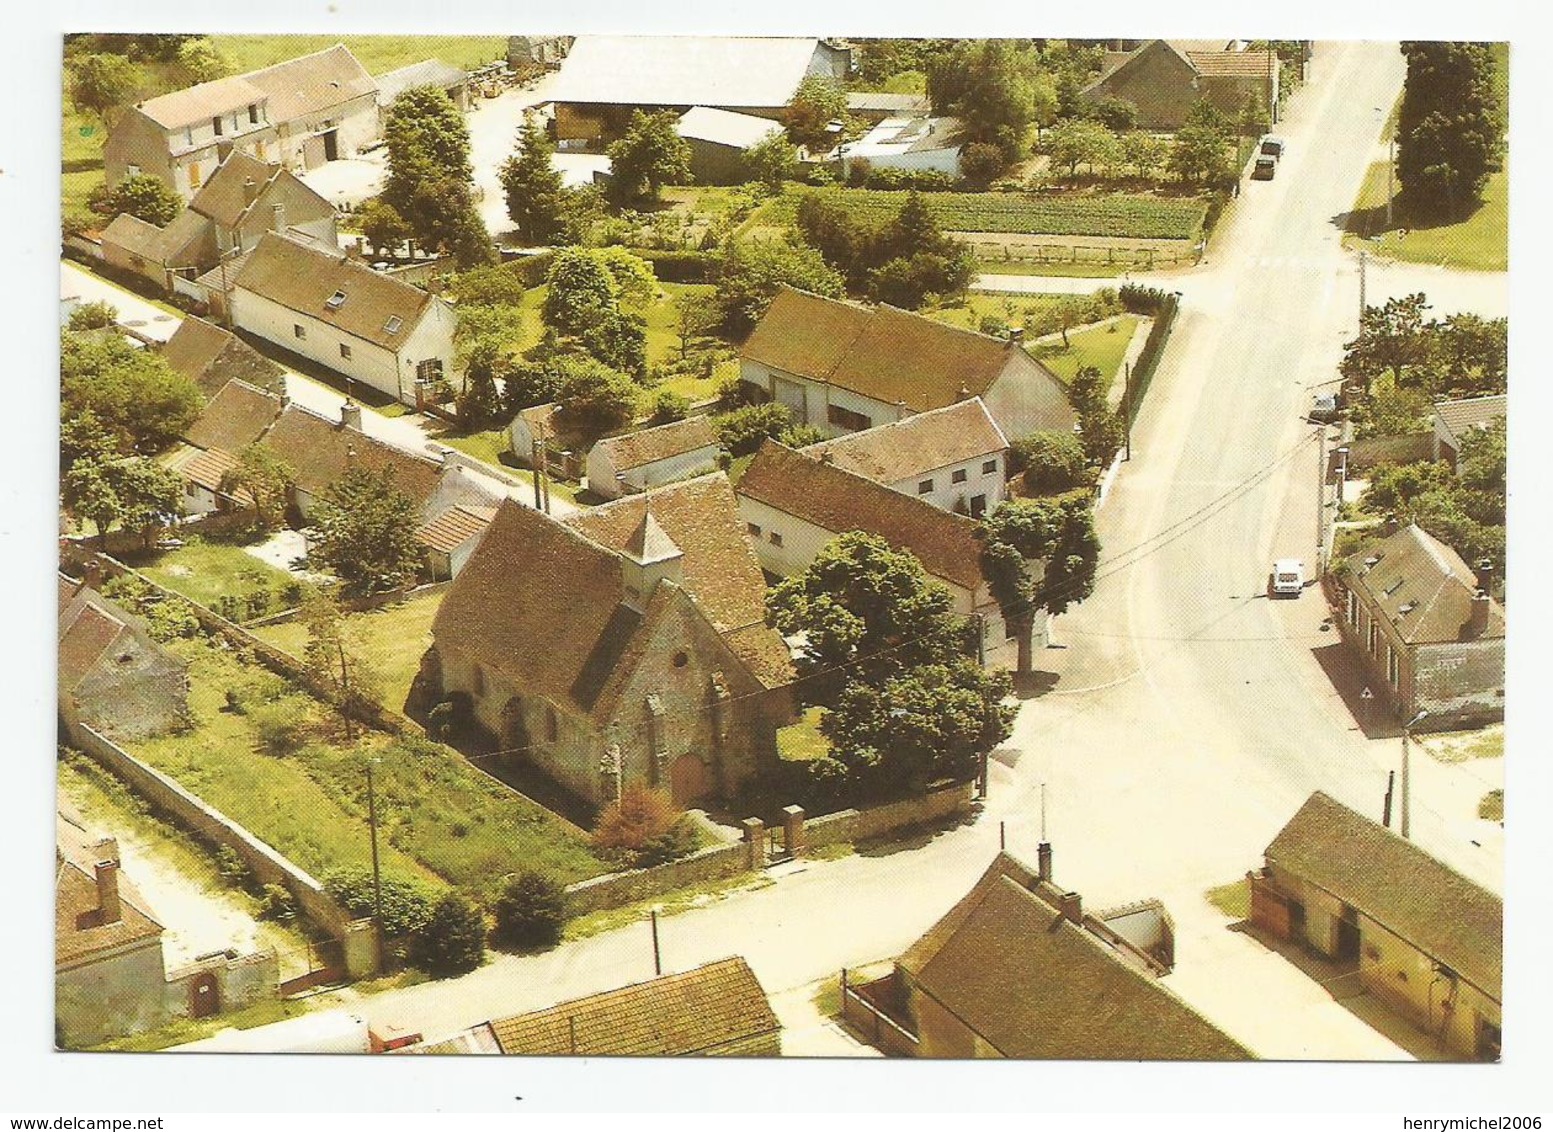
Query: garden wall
(211, 825)
(863, 825)
(715, 863)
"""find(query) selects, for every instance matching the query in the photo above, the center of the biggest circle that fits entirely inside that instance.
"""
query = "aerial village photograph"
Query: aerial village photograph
(608, 545)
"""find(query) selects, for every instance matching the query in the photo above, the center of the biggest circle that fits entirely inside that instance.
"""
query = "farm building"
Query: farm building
(635, 461)
(718, 139)
(1163, 78)
(917, 144)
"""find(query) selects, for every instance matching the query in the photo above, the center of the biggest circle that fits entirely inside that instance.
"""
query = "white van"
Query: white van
(1288, 577)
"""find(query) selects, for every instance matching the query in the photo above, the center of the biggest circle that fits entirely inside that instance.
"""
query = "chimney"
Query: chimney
(278, 221)
(1485, 573)
(1043, 861)
(250, 190)
(827, 457)
(350, 415)
(1477, 620)
(1072, 906)
(107, 875)
(1391, 525)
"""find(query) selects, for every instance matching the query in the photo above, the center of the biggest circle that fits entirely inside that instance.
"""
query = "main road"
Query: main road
(1185, 717)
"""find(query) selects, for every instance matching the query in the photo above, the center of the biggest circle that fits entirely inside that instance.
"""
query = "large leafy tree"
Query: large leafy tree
(1201, 151)
(533, 186)
(366, 531)
(149, 198)
(453, 940)
(1450, 128)
(130, 491)
(266, 478)
(752, 272)
(818, 101)
(1059, 531)
(867, 612)
(430, 176)
(134, 395)
(587, 292)
(594, 398)
(99, 84)
(1082, 141)
(530, 912)
(649, 156)
(988, 85)
(1392, 337)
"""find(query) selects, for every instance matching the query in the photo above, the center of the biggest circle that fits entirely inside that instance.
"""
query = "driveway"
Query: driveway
(134, 311)
(348, 182)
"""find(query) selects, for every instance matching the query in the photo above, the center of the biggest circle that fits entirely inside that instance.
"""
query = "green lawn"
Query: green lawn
(204, 571)
(1014, 309)
(393, 639)
(802, 741)
(1233, 899)
(377, 53)
(1100, 346)
(441, 820)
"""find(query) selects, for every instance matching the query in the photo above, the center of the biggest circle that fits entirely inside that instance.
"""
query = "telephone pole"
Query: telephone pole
(1362, 257)
(377, 876)
(1321, 499)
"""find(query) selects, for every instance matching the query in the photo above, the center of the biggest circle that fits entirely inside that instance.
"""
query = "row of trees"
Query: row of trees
(1459, 355)
(1199, 153)
(1450, 128)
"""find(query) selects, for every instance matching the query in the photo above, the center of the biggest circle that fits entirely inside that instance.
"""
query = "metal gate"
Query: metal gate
(776, 845)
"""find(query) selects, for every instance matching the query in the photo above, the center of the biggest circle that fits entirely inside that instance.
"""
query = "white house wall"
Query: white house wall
(946, 492)
(601, 471)
(1024, 400)
(432, 337)
(369, 363)
(356, 124)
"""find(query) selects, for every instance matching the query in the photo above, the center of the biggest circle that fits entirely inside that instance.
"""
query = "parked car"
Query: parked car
(1271, 147)
(1265, 169)
(1288, 577)
(1324, 408)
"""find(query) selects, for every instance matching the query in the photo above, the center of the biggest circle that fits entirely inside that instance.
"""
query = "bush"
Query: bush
(1139, 299)
(1053, 462)
(924, 180)
(981, 163)
(801, 435)
(741, 431)
(93, 316)
(668, 407)
(682, 266)
(277, 903)
(530, 912)
(279, 727)
(643, 828)
(407, 904)
(231, 866)
(453, 939)
(531, 269)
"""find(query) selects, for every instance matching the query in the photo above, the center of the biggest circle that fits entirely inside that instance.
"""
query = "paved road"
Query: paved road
(152, 321)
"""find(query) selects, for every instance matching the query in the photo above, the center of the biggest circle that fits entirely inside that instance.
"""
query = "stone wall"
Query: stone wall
(863, 825)
(164, 794)
(239, 982)
(617, 889)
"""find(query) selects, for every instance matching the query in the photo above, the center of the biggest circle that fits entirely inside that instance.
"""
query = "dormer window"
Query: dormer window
(335, 301)
(215, 124)
(1407, 607)
(253, 113)
(393, 324)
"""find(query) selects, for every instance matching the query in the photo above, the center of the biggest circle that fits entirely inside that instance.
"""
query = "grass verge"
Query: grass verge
(1233, 899)
(668, 904)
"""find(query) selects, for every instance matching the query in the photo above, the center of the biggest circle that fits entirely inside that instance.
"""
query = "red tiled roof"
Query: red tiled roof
(922, 443)
(637, 449)
(321, 452)
(695, 1012)
(839, 501)
(234, 418)
(452, 529)
(1234, 64)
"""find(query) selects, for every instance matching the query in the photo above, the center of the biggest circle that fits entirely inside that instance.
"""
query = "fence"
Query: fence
(211, 825)
(1153, 348)
(1145, 258)
(867, 1006)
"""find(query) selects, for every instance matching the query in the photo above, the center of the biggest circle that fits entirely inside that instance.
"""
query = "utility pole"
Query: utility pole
(1321, 499)
(1407, 793)
(1362, 258)
(657, 955)
(1127, 409)
(1391, 164)
(1391, 783)
(377, 876)
(534, 450)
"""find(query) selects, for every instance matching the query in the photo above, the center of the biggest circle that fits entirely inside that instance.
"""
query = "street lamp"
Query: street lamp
(1406, 760)
(1342, 473)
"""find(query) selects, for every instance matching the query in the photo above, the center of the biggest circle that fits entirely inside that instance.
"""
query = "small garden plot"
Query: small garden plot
(1101, 346)
(208, 572)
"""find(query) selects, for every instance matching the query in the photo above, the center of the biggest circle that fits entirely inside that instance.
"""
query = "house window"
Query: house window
(552, 725)
(215, 124)
(429, 370)
(753, 529)
(1374, 638)
(958, 476)
(1009, 632)
(990, 467)
(298, 330)
(847, 419)
(345, 351)
(191, 490)
(924, 487)
(253, 113)
(776, 539)
(1353, 609)
(188, 135)
(1392, 666)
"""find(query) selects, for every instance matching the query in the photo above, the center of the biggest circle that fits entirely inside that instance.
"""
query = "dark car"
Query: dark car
(1265, 169)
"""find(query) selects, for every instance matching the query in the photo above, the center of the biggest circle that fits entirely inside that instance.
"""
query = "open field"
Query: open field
(393, 639)
(377, 53)
(205, 571)
(442, 821)
(1054, 214)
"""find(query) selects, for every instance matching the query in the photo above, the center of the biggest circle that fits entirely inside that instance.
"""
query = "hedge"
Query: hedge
(678, 265)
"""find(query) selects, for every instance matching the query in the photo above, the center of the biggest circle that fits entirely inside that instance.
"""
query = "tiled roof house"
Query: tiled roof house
(649, 457)
(844, 368)
(113, 677)
(626, 644)
(210, 357)
(1164, 78)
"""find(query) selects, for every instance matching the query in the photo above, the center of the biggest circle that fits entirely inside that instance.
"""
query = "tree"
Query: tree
(1058, 531)
(453, 940)
(89, 492)
(133, 394)
(480, 403)
(1144, 152)
(753, 271)
(1116, 114)
(83, 437)
(695, 314)
(202, 61)
(98, 84)
(529, 383)
(430, 176)
(596, 399)
(771, 162)
(1470, 355)
(988, 85)
(649, 156)
(1254, 119)
(93, 316)
(334, 667)
(1099, 427)
(868, 612)
(488, 287)
(382, 225)
(266, 478)
(1450, 128)
(1391, 338)
(926, 723)
(152, 496)
(1080, 141)
(981, 163)
(1054, 461)
(366, 531)
(148, 198)
(530, 912)
(642, 827)
(909, 282)
(533, 186)
(1200, 154)
(743, 430)
(668, 407)
(818, 101)
(836, 232)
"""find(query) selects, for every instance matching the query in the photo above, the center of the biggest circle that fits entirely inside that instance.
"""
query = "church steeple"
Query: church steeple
(650, 556)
